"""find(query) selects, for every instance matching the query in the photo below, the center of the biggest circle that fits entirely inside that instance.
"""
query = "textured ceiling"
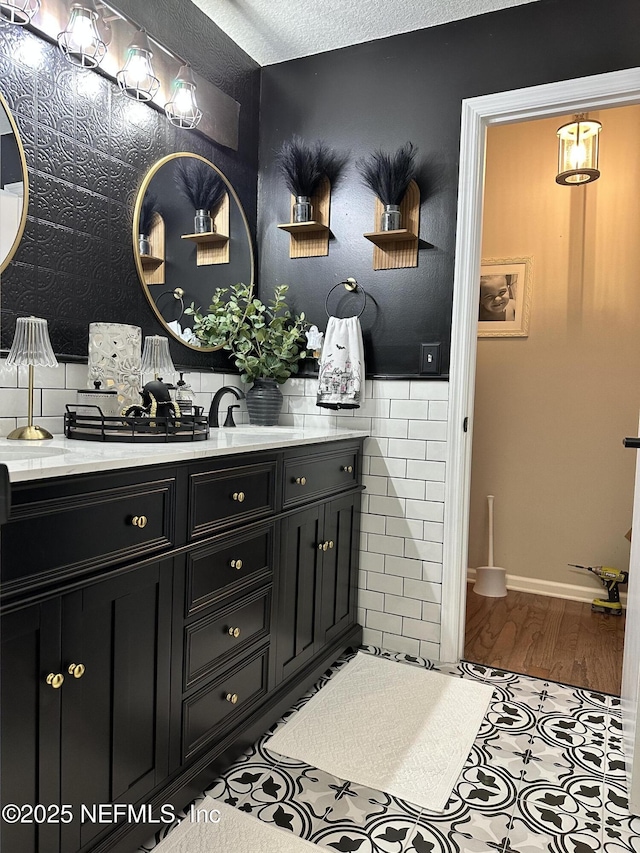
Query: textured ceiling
(276, 30)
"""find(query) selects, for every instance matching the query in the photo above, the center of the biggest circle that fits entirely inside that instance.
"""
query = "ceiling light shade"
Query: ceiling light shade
(19, 11)
(182, 110)
(578, 152)
(80, 42)
(137, 80)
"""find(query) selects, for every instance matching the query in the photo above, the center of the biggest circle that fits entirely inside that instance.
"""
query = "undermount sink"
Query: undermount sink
(15, 453)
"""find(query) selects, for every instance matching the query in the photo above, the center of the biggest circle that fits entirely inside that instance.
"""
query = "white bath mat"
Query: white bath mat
(391, 726)
(229, 831)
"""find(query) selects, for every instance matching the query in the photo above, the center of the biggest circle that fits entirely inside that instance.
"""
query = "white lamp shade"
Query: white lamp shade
(31, 344)
(156, 358)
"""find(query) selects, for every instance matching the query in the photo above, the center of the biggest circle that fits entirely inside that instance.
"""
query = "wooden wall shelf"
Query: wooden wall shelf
(311, 239)
(213, 246)
(153, 265)
(398, 249)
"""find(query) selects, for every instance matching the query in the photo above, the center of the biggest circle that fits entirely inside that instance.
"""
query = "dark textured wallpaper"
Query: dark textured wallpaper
(410, 87)
(87, 150)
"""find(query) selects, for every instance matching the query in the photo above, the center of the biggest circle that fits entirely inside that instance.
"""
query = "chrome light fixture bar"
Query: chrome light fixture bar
(137, 80)
(80, 42)
(19, 12)
(182, 110)
(578, 152)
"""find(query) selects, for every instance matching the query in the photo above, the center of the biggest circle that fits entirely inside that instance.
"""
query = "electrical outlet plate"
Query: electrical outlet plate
(430, 358)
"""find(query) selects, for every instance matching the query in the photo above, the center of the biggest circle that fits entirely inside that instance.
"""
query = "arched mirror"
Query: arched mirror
(190, 236)
(14, 186)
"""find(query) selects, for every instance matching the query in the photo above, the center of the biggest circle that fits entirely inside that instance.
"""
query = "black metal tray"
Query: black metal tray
(98, 427)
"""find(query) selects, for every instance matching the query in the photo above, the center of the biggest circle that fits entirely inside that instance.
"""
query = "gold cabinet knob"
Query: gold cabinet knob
(55, 679)
(232, 697)
(77, 670)
(139, 521)
(301, 481)
(325, 546)
(330, 544)
(238, 496)
(348, 469)
(234, 632)
(320, 544)
(236, 564)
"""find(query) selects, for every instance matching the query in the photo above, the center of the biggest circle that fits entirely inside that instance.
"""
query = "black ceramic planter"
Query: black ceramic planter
(264, 402)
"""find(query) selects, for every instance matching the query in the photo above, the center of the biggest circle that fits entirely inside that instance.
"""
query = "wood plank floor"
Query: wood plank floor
(546, 638)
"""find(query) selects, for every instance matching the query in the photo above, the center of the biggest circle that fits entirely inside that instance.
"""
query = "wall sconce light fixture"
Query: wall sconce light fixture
(31, 346)
(578, 152)
(182, 110)
(137, 80)
(19, 12)
(80, 42)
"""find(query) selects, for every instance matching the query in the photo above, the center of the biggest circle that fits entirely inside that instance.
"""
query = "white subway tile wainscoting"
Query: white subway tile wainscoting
(400, 581)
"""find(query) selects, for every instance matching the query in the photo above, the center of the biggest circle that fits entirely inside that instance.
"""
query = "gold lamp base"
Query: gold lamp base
(29, 433)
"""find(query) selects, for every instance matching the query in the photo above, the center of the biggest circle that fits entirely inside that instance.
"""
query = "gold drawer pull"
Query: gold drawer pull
(232, 697)
(139, 521)
(77, 670)
(348, 469)
(234, 632)
(330, 544)
(55, 679)
(236, 564)
(301, 481)
(238, 496)
(320, 546)
(325, 546)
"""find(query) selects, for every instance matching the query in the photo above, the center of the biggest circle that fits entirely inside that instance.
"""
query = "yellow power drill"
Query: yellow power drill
(611, 579)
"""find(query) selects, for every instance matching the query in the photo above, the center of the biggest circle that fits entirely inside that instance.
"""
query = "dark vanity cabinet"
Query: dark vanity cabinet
(156, 620)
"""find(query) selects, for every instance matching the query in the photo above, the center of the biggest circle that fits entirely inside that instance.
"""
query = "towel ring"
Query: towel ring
(350, 284)
(178, 294)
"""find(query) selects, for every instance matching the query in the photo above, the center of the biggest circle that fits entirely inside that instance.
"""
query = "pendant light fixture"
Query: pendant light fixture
(137, 80)
(19, 12)
(182, 110)
(80, 41)
(578, 152)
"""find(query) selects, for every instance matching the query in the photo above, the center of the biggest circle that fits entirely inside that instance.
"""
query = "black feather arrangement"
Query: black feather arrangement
(199, 183)
(304, 166)
(389, 175)
(148, 210)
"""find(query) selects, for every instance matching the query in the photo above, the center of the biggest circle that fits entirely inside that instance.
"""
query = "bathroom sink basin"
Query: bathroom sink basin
(19, 453)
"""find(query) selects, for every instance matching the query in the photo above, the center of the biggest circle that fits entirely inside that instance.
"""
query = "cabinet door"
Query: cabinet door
(115, 717)
(30, 722)
(298, 626)
(337, 592)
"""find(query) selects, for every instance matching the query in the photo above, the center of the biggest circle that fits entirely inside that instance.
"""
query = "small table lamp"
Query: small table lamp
(31, 346)
(156, 358)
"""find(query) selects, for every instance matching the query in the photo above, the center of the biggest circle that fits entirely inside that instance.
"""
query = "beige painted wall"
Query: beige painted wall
(552, 409)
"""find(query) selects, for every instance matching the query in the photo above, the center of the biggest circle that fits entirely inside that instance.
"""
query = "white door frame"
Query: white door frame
(616, 89)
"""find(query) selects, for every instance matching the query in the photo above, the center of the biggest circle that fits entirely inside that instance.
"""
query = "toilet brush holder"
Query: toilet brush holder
(491, 581)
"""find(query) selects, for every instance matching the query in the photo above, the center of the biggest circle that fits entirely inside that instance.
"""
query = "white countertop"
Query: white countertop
(62, 457)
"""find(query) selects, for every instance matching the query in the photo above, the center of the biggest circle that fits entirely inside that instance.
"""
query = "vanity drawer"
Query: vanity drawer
(221, 704)
(313, 475)
(216, 570)
(209, 642)
(230, 496)
(65, 531)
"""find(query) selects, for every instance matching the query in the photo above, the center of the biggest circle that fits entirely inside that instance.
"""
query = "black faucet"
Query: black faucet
(215, 404)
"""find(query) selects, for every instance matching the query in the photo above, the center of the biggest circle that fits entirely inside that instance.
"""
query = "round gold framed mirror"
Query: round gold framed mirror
(14, 186)
(190, 237)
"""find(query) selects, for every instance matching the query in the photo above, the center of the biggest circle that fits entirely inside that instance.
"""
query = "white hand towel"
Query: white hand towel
(341, 370)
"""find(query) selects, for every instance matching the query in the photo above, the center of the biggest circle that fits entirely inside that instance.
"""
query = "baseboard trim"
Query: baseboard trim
(553, 589)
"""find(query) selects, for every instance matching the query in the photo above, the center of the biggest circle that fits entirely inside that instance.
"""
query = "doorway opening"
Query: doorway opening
(556, 389)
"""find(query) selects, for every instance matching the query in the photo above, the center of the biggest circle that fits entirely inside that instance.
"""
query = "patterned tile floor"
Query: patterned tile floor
(546, 773)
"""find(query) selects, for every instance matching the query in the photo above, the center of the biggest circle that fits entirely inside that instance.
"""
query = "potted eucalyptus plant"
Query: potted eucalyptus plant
(203, 187)
(389, 176)
(266, 341)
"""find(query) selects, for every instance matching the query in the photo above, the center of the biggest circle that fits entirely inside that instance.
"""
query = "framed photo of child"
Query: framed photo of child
(504, 304)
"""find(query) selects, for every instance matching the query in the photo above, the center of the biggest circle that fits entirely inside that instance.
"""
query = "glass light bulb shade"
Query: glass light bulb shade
(31, 344)
(182, 110)
(137, 80)
(578, 150)
(19, 12)
(80, 42)
(156, 358)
